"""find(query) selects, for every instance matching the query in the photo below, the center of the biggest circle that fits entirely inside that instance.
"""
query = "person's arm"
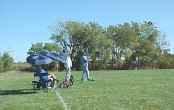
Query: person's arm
(89, 59)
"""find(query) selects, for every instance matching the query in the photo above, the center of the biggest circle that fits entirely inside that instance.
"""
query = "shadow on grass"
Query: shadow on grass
(17, 92)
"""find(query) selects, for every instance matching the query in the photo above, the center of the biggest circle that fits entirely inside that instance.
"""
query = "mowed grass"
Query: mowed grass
(112, 90)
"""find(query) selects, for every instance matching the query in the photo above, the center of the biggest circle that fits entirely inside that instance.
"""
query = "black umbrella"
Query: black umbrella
(52, 55)
(39, 59)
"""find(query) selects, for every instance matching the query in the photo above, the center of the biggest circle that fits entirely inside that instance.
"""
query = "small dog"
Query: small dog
(67, 84)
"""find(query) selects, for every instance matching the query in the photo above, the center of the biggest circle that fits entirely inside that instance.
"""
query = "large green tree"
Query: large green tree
(1, 64)
(6, 62)
(88, 37)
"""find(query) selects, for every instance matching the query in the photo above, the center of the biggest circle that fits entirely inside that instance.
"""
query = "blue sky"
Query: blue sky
(23, 22)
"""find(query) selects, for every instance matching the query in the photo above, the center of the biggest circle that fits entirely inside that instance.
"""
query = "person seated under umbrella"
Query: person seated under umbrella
(40, 72)
(44, 75)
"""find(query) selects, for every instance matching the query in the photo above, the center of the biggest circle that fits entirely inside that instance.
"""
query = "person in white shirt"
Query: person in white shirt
(68, 63)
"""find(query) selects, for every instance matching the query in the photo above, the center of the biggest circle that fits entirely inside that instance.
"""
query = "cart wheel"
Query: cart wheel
(49, 84)
(38, 85)
(71, 80)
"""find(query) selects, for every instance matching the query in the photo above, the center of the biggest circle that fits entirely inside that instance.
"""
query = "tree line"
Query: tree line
(123, 46)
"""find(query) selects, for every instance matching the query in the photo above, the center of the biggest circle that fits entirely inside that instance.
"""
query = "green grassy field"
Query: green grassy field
(112, 90)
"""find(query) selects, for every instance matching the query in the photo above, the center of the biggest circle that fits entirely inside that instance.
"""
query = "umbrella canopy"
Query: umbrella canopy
(39, 59)
(52, 55)
(44, 57)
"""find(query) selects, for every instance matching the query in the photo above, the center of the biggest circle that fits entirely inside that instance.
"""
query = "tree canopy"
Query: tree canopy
(123, 46)
(6, 62)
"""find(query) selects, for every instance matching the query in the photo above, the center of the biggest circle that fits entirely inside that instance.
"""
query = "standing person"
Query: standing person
(84, 62)
(68, 63)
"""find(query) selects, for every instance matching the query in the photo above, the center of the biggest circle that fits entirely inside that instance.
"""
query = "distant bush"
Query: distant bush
(29, 67)
(22, 67)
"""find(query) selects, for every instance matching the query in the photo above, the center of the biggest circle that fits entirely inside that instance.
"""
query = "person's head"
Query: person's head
(84, 53)
(65, 51)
